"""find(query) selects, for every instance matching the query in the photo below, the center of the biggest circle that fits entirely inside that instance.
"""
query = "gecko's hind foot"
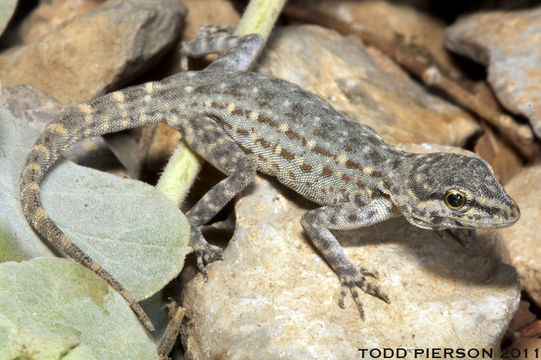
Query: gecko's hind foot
(353, 277)
(207, 40)
(206, 254)
(237, 52)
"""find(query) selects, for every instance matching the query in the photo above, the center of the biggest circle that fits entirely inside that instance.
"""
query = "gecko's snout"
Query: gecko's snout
(513, 213)
(505, 218)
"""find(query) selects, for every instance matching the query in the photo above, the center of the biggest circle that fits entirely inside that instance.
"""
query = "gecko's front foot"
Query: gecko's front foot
(352, 277)
(461, 236)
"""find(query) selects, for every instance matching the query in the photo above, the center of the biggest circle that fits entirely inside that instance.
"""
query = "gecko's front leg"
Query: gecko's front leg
(347, 216)
(216, 147)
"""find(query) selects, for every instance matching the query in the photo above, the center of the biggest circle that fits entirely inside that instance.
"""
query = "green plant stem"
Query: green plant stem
(184, 164)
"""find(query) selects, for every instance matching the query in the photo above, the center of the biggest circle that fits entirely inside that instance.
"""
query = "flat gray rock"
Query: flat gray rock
(364, 83)
(523, 240)
(508, 43)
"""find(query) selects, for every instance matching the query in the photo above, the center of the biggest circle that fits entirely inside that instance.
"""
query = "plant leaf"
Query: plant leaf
(128, 227)
(7, 8)
(53, 308)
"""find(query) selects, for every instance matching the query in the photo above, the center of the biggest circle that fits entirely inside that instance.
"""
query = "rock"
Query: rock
(33, 106)
(503, 158)
(37, 109)
(50, 14)
(160, 141)
(365, 84)
(93, 53)
(223, 13)
(273, 296)
(523, 240)
(533, 330)
(523, 317)
(523, 348)
(508, 43)
(404, 24)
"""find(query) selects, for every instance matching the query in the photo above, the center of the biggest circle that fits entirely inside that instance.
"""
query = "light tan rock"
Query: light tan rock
(405, 24)
(216, 12)
(383, 97)
(274, 297)
(93, 53)
(523, 240)
(50, 14)
(508, 43)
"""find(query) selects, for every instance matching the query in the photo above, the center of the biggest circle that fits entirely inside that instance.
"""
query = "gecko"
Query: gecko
(242, 122)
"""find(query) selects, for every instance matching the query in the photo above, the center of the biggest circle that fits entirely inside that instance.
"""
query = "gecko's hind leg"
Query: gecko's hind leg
(215, 146)
(237, 53)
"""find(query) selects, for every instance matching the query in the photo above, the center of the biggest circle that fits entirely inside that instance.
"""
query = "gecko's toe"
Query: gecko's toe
(201, 264)
(375, 291)
(343, 291)
(371, 273)
(353, 278)
(462, 236)
(358, 302)
(371, 289)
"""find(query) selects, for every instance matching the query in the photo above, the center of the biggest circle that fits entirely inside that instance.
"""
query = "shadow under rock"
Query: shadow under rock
(482, 263)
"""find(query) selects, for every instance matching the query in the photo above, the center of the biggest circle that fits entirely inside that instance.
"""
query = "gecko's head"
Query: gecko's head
(443, 191)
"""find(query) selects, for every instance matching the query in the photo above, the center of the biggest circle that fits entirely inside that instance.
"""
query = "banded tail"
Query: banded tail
(110, 113)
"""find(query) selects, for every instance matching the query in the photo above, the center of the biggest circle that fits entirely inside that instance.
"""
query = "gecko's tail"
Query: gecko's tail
(103, 115)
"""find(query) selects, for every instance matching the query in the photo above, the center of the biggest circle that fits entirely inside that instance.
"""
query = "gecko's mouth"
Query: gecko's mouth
(471, 220)
(489, 223)
(501, 220)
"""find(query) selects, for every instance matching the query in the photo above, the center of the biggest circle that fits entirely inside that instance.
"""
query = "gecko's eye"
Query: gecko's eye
(454, 199)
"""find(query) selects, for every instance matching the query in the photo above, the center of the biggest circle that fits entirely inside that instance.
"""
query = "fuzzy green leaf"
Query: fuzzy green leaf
(7, 8)
(52, 308)
(128, 227)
